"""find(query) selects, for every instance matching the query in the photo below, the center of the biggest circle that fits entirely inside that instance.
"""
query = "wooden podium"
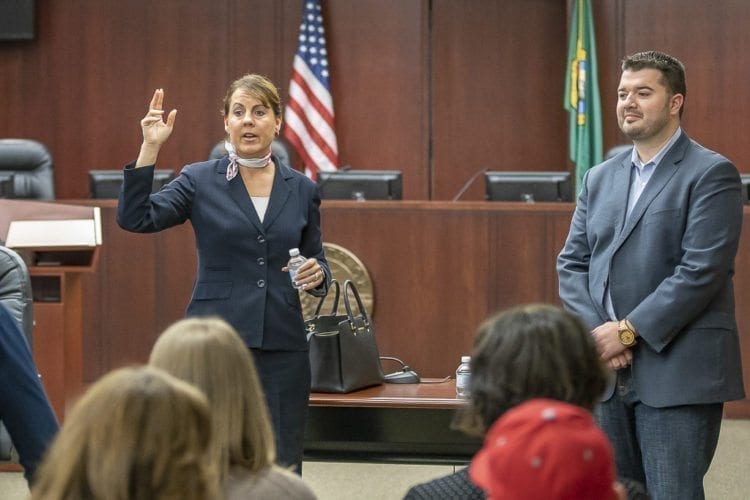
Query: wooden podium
(58, 243)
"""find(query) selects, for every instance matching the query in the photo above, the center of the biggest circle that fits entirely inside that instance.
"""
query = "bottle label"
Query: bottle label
(293, 265)
(462, 380)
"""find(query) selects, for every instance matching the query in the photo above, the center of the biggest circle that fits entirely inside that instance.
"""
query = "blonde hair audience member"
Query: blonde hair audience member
(208, 353)
(137, 434)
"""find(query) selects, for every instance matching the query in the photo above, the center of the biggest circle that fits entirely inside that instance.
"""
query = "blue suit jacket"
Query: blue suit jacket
(669, 268)
(24, 407)
(239, 275)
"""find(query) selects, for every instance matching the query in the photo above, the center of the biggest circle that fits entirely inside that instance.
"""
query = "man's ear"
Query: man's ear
(676, 104)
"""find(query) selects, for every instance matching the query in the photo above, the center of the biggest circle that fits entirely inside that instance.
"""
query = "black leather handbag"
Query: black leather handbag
(344, 355)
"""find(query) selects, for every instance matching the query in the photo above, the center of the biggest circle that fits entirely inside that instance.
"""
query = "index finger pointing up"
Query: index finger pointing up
(157, 99)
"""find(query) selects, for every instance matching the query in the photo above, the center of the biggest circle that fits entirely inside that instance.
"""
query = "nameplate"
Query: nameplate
(53, 233)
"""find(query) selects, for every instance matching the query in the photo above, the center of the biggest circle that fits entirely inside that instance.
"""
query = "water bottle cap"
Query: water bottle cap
(293, 252)
(465, 359)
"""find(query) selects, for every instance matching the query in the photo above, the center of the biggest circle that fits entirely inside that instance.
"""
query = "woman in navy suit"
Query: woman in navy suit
(247, 210)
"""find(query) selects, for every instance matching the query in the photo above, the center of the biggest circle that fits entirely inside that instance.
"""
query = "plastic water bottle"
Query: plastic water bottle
(295, 261)
(463, 376)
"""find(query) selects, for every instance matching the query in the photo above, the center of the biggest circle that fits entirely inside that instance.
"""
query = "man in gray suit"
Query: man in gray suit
(648, 266)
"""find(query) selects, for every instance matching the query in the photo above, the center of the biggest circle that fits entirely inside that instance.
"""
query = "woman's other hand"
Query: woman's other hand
(310, 275)
(155, 130)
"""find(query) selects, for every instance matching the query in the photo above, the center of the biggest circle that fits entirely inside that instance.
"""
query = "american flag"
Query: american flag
(309, 111)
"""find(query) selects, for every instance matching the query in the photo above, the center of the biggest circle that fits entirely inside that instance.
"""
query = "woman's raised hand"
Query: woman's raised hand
(155, 130)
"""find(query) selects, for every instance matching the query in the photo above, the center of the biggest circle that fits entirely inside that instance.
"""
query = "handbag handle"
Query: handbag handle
(349, 285)
(335, 307)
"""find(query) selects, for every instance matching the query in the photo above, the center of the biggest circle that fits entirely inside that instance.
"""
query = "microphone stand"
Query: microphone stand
(405, 376)
(469, 183)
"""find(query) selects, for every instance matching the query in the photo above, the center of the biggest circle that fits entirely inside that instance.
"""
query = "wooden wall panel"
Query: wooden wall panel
(427, 263)
(525, 242)
(710, 38)
(436, 88)
(610, 39)
(48, 339)
(497, 90)
(82, 86)
(125, 289)
(175, 273)
(378, 58)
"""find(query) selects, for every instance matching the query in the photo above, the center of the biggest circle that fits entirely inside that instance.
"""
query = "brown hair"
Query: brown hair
(533, 351)
(671, 69)
(208, 353)
(260, 88)
(137, 433)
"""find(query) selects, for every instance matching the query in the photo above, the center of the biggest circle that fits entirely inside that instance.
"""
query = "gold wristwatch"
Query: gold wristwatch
(626, 333)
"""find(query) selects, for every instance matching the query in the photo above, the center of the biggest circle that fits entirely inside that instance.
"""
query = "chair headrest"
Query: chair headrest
(23, 154)
(218, 151)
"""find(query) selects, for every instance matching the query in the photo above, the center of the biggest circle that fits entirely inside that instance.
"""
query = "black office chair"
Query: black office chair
(16, 297)
(32, 168)
(277, 147)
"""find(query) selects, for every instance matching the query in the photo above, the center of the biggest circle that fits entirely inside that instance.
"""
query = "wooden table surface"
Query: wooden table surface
(430, 393)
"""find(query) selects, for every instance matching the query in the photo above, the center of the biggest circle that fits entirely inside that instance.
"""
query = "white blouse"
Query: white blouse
(261, 205)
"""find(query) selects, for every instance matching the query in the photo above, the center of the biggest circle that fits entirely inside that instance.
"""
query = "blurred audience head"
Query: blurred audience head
(208, 353)
(532, 351)
(546, 449)
(137, 434)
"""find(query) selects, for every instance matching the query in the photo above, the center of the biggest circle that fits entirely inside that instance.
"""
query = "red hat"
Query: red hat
(545, 449)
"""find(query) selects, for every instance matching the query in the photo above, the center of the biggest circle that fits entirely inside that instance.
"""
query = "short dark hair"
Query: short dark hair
(671, 69)
(532, 351)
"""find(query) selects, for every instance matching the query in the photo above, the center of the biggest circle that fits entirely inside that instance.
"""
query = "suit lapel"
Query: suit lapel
(238, 193)
(279, 193)
(620, 191)
(659, 180)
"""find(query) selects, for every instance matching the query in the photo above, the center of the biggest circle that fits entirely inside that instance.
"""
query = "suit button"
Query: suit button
(261, 261)
(261, 238)
(261, 283)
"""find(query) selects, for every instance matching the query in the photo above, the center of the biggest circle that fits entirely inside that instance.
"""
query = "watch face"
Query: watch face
(627, 337)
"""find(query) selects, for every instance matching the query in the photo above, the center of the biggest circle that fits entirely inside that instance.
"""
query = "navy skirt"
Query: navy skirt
(285, 377)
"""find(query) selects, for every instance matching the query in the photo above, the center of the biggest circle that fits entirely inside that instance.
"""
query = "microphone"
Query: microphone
(333, 174)
(405, 376)
(469, 183)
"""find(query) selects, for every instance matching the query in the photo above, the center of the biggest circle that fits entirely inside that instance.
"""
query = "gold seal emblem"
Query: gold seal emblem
(344, 266)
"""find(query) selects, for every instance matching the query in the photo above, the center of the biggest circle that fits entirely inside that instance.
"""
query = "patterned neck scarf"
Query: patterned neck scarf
(234, 161)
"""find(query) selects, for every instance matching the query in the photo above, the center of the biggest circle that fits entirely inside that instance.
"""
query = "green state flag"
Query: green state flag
(582, 98)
